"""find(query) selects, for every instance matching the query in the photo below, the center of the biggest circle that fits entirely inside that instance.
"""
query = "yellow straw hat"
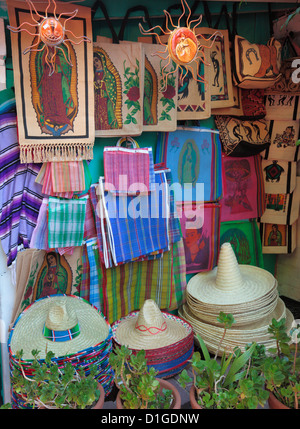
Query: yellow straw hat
(63, 324)
(237, 336)
(150, 328)
(230, 283)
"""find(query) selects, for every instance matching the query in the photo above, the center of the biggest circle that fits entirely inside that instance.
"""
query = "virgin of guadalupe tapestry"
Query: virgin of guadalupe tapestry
(51, 273)
(53, 81)
(118, 89)
(160, 96)
(244, 194)
(195, 158)
(160, 99)
(278, 238)
(200, 225)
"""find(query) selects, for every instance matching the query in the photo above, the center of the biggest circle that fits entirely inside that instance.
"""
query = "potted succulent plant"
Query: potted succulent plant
(282, 367)
(232, 382)
(139, 387)
(52, 386)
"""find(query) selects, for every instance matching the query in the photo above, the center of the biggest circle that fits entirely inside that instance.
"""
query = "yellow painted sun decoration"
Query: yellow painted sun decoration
(51, 31)
(183, 47)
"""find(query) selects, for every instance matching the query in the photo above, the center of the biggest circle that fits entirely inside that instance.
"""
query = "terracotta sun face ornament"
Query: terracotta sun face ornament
(183, 47)
(51, 31)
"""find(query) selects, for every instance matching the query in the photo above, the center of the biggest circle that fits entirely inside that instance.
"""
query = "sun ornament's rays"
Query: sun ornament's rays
(50, 32)
(183, 46)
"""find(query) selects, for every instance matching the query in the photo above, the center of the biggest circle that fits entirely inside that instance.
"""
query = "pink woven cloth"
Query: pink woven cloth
(126, 170)
(62, 179)
(67, 176)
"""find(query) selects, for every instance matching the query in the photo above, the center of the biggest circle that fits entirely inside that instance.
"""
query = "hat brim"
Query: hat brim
(27, 332)
(257, 282)
(125, 333)
(243, 313)
(238, 336)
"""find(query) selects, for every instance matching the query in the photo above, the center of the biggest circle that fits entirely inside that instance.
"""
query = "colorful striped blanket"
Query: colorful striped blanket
(20, 196)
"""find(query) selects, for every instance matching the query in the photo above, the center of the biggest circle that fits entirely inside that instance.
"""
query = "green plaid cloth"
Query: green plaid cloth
(66, 221)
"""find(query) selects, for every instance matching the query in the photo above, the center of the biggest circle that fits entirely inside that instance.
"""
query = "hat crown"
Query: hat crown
(228, 275)
(150, 320)
(60, 317)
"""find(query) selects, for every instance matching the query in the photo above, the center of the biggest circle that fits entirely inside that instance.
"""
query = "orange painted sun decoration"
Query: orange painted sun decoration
(183, 47)
(51, 31)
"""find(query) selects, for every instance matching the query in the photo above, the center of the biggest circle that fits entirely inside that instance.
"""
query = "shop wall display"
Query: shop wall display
(215, 159)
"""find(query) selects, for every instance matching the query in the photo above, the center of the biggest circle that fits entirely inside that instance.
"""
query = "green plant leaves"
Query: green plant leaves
(238, 364)
(234, 381)
(225, 319)
(55, 386)
(139, 387)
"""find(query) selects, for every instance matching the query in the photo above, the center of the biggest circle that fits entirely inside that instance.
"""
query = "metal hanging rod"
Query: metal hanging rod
(142, 17)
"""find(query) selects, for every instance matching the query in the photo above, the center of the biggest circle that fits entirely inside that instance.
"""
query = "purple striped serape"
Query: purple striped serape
(20, 196)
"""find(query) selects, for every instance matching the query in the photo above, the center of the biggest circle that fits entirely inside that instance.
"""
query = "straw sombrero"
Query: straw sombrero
(248, 292)
(150, 328)
(230, 283)
(63, 324)
(237, 336)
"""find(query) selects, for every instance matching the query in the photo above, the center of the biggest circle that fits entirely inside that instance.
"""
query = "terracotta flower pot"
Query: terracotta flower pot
(164, 384)
(275, 404)
(99, 404)
(193, 400)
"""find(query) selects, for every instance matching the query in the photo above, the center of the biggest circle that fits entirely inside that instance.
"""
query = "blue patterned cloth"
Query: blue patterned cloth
(94, 296)
(138, 225)
(194, 155)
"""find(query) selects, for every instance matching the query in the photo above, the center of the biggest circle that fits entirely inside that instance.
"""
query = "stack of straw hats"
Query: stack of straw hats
(70, 327)
(247, 292)
(168, 340)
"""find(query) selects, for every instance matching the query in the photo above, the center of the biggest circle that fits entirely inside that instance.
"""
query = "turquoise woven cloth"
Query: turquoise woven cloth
(194, 156)
(66, 221)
